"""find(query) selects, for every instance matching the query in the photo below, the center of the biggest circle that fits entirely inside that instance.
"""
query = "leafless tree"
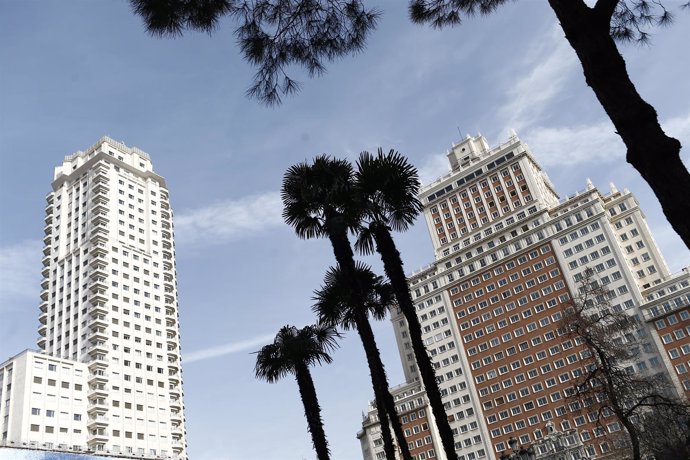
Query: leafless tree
(609, 386)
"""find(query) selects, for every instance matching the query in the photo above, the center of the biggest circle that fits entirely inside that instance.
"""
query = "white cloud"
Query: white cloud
(594, 143)
(19, 273)
(433, 167)
(571, 145)
(229, 220)
(546, 67)
(229, 348)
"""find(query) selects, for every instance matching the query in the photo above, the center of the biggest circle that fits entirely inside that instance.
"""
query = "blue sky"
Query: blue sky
(71, 72)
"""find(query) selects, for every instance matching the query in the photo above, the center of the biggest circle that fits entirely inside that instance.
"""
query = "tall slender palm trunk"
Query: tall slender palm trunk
(393, 267)
(312, 411)
(342, 250)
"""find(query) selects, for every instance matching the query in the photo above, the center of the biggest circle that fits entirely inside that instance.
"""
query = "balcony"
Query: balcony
(98, 404)
(48, 219)
(101, 187)
(166, 235)
(98, 322)
(46, 261)
(97, 309)
(98, 377)
(101, 177)
(100, 198)
(99, 238)
(99, 208)
(47, 240)
(175, 404)
(45, 272)
(45, 283)
(165, 215)
(44, 294)
(167, 265)
(42, 330)
(98, 333)
(98, 285)
(43, 318)
(97, 420)
(48, 229)
(174, 392)
(97, 436)
(98, 391)
(43, 306)
(98, 272)
(100, 229)
(98, 347)
(98, 261)
(175, 416)
(50, 198)
(46, 249)
(41, 343)
(100, 218)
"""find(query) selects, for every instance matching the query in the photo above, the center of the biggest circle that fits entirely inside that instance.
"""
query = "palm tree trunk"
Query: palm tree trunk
(312, 411)
(655, 155)
(393, 267)
(337, 233)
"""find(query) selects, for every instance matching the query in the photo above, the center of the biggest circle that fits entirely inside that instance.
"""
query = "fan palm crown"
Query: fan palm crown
(294, 347)
(387, 186)
(315, 194)
(334, 304)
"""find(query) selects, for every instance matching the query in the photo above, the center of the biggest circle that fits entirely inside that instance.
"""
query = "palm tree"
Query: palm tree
(387, 186)
(318, 202)
(335, 306)
(292, 352)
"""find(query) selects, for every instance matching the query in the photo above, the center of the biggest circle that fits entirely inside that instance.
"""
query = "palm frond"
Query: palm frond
(336, 301)
(389, 185)
(293, 347)
(311, 192)
(365, 240)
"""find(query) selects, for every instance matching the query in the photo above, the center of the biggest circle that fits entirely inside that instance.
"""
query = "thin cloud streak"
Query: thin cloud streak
(227, 349)
(19, 273)
(547, 67)
(229, 220)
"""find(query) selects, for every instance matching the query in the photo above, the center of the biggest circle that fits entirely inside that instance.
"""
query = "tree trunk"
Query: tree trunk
(393, 267)
(312, 411)
(617, 405)
(650, 151)
(337, 233)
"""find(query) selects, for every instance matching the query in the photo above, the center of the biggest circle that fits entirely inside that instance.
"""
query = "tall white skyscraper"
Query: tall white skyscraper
(108, 301)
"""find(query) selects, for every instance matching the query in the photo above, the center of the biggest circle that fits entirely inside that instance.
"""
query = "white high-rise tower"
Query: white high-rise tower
(109, 298)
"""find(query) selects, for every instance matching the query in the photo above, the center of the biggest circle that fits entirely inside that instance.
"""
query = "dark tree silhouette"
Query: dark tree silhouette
(387, 185)
(274, 34)
(335, 305)
(292, 352)
(608, 338)
(318, 202)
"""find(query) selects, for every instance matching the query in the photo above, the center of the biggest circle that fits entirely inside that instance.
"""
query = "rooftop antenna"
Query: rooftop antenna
(458, 127)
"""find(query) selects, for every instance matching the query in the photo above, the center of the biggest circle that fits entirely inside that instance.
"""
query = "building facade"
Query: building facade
(509, 254)
(109, 300)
